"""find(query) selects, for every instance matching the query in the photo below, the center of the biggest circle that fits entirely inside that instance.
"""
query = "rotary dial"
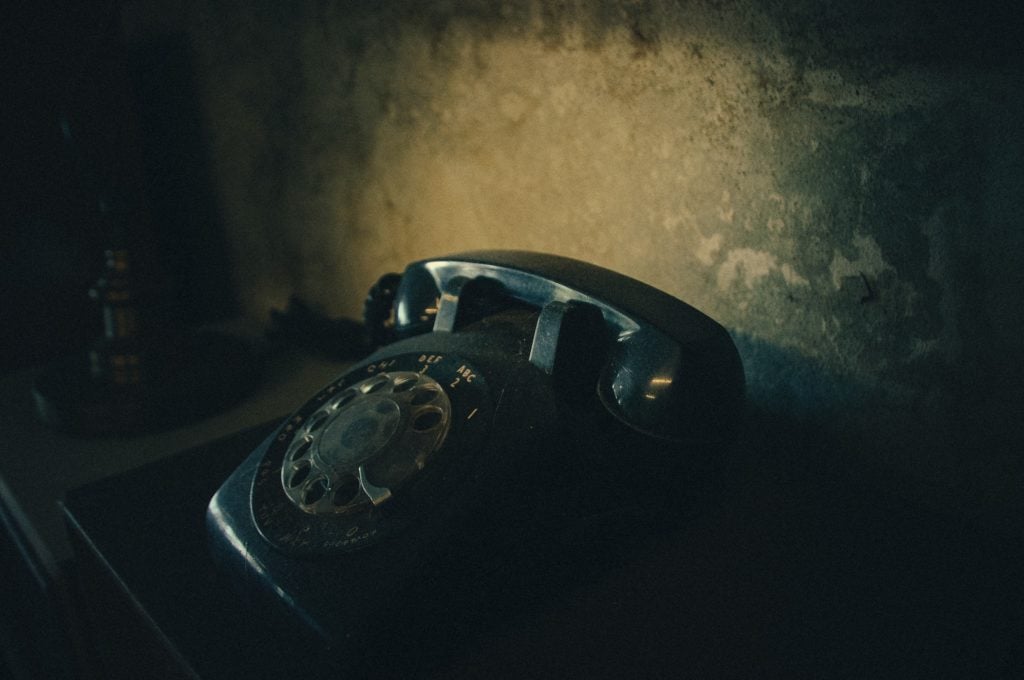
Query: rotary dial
(364, 442)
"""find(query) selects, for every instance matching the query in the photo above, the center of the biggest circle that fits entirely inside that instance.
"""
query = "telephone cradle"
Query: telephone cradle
(531, 419)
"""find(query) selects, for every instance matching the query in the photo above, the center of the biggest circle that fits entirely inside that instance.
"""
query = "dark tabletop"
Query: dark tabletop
(798, 568)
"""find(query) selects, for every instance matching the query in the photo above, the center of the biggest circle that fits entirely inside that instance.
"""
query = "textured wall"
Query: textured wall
(840, 186)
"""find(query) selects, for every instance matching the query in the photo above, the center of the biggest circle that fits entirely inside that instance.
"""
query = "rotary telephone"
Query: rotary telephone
(530, 418)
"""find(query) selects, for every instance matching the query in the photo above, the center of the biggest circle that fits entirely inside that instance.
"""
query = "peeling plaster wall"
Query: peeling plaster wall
(839, 186)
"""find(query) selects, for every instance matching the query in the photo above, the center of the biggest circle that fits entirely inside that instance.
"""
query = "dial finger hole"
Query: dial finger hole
(344, 398)
(346, 491)
(426, 420)
(315, 491)
(405, 383)
(423, 396)
(299, 475)
(371, 387)
(316, 421)
(302, 449)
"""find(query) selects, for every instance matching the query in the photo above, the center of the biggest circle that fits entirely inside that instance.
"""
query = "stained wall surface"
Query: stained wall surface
(839, 184)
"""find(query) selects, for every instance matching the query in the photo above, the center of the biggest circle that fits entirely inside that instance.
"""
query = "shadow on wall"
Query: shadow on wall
(955, 450)
(187, 227)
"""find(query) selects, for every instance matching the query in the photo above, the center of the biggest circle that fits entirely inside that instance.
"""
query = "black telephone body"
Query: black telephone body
(533, 416)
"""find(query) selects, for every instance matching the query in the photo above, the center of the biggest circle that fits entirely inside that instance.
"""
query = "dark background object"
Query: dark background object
(51, 236)
(132, 181)
(88, 119)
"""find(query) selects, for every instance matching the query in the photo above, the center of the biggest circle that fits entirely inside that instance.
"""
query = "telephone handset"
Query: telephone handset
(531, 412)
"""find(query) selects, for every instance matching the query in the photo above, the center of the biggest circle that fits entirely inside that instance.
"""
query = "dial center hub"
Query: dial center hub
(357, 433)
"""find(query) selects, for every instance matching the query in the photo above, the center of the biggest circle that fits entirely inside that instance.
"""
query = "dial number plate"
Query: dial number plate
(359, 459)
